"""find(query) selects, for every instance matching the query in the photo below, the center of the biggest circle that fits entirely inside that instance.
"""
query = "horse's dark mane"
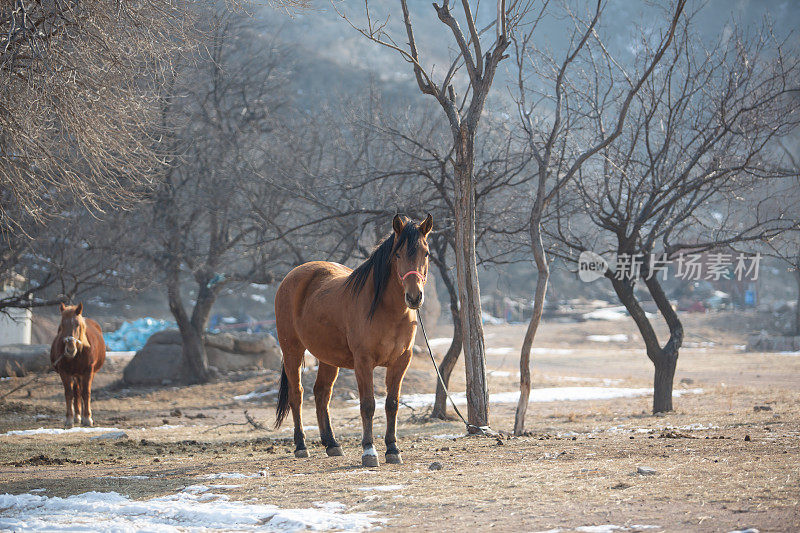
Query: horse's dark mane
(380, 263)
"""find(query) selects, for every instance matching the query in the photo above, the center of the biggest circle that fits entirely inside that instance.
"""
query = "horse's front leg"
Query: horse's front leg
(86, 396)
(366, 393)
(394, 379)
(66, 380)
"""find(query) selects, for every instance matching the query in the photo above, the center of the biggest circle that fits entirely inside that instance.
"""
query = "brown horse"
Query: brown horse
(77, 353)
(356, 319)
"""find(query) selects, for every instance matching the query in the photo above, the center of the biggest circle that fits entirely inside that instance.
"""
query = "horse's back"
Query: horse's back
(310, 311)
(98, 344)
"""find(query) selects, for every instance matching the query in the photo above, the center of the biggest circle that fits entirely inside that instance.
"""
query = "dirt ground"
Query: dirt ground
(726, 459)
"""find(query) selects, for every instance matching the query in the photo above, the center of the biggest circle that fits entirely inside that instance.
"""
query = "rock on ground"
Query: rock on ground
(21, 359)
(161, 359)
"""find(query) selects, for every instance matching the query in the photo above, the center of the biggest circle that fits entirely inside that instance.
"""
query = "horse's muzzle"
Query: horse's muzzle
(415, 302)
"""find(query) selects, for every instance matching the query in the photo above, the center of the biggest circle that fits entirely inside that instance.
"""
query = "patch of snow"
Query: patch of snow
(740, 347)
(38, 490)
(549, 394)
(788, 353)
(120, 354)
(618, 337)
(229, 475)
(489, 319)
(383, 488)
(502, 350)
(552, 351)
(253, 395)
(124, 477)
(500, 373)
(607, 313)
(440, 341)
(224, 487)
(447, 436)
(258, 298)
(189, 509)
(56, 431)
(305, 428)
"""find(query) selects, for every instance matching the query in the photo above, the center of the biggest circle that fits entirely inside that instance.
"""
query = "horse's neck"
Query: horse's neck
(393, 298)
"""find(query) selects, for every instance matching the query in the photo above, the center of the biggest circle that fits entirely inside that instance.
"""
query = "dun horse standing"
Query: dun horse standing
(357, 319)
(77, 353)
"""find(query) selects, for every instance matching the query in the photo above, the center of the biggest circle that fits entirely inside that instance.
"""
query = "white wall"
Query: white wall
(15, 329)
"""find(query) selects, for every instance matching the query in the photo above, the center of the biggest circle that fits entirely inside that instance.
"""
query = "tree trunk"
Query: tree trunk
(663, 380)
(538, 308)
(194, 352)
(450, 359)
(468, 286)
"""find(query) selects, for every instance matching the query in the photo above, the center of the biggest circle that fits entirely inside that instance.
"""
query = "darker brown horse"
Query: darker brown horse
(357, 319)
(77, 353)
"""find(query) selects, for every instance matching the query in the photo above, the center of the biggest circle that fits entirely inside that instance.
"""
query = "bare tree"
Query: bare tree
(553, 105)
(700, 141)
(205, 219)
(479, 55)
(78, 86)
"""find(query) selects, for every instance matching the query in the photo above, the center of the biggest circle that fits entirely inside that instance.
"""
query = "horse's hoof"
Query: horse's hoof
(394, 459)
(87, 422)
(68, 423)
(301, 453)
(369, 460)
(334, 451)
(77, 420)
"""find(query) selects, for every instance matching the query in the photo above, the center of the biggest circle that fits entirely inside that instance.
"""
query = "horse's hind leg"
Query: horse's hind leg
(76, 398)
(326, 377)
(291, 391)
(394, 378)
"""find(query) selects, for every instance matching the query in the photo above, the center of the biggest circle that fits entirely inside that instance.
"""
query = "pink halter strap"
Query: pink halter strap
(415, 273)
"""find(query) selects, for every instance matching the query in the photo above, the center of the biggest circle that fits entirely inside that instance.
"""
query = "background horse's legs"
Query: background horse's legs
(366, 395)
(86, 396)
(76, 398)
(326, 377)
(66, 380)
(394, 378)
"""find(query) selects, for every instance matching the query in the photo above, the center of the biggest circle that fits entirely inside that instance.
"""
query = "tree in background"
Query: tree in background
(480, 56)
(687, 173)
(557, 99)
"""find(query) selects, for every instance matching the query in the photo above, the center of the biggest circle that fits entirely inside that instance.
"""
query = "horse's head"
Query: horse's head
(411, 257)
(72, 331)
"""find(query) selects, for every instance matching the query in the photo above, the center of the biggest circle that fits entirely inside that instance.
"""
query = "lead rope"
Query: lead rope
(484, 430)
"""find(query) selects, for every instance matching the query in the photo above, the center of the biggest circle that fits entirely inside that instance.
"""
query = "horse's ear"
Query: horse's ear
(61, 307)
(426, 226)
(79, 309)
(398, 224)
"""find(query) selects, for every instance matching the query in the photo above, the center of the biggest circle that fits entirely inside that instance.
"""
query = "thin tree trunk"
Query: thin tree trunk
(450, 359)
(468, 286)
(667, 359)
(538, 308)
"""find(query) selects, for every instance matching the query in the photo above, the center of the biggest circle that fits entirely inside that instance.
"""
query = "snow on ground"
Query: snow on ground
(56, 431)
(231, 475)
(255, 395)
(604, 528)
(788, 353)
(503, 350)
(441, 341)
(618, 337)
(608, 313)
(193, 508)
(383, 488)
(59, 431)
(549, 394)
(120, 355)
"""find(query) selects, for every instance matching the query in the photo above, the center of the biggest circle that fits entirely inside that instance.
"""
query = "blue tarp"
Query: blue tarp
(132, 336)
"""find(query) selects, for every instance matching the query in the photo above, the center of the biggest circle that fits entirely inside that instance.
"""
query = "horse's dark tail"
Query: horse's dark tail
(283, 399)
